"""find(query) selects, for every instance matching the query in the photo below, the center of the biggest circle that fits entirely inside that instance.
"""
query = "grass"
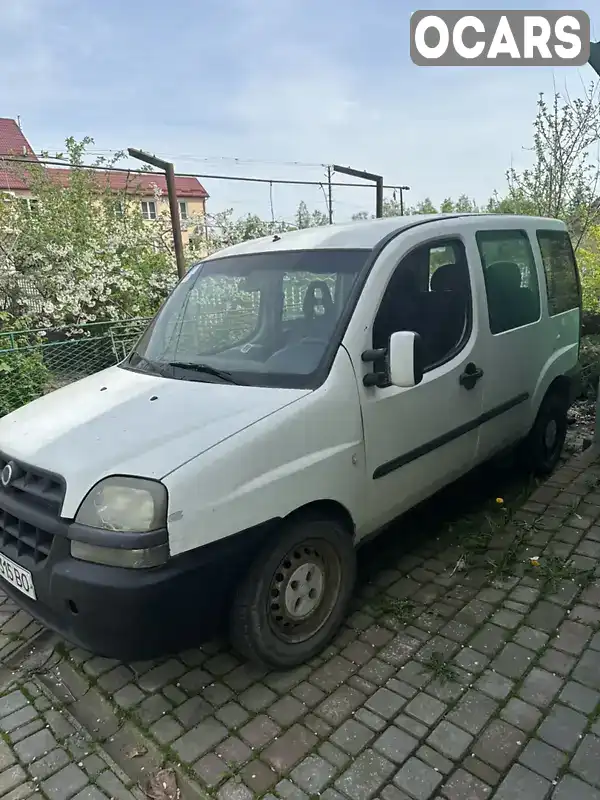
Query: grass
(553, 570)
(401, 611)
(440, 668)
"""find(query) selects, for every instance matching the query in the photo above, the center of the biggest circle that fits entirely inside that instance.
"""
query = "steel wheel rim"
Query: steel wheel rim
(304, 590)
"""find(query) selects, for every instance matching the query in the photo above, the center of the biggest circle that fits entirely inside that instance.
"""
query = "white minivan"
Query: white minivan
(293, 396)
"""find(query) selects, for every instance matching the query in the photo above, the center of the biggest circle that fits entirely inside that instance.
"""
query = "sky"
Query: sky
(274, 89)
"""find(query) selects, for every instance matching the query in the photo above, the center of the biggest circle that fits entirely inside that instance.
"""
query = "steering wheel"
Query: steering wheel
(312, 302)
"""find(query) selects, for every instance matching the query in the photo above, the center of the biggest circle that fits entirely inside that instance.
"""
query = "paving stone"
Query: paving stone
(471, 660)
(507, 619)
(435, 759)
(390, 792)
(425, 708)
(400, 649)
(195, 680)
(395, 744)
(152, 709)
(12, 702)
(385, 703)
(410, 725)
(580, 697)
(352, 737)
(572, 637)
(259, 731)
(51, 763)
(199, 740)
(257, 698)
(65, 784)
(6, 756)
(233, 751)
(11, 777)
(333, 673)
(557, 661)
(513, 661)
(313, 774)
(18, 718)
(587, 671)
(546, 617)
(540, 687)
(473, 711)
(258, 777)
(193, 711)
(530, 638)
(287, 710)
(318, 726)
(234, 790)
(26, 730)
(334, 755)
(586, 762)
(358, 653)
(481, 770)
(159, 676)
(286, 751)
(232, 715)
(129, 696)
(365, 777)
(378, 671)
(373, 721)
(217, 694)
(90, 793)
(450, 740)
(571, 788)
(562, 728)
(522, 784)
(464, 786)
(489, 640)
(401, 688)
(36, 746)
(308, 694)
(340, 704)
(289, 791)
(499, 744)
(418, 779)
(211, 770)
(494, 684)
(166, 729)
(543, 759)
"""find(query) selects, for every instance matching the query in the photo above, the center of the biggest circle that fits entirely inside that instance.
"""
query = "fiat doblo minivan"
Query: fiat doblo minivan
(293, 396)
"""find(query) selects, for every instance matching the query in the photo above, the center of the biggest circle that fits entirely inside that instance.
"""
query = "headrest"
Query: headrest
(506, 274)
(312, 300)
(450, 277)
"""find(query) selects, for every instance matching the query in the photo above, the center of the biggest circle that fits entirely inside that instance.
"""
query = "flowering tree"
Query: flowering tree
(80, 252)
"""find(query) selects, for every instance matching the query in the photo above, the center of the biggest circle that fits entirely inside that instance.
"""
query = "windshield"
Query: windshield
(264, 319)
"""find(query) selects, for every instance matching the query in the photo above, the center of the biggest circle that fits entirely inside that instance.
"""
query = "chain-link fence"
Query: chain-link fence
(34, 362)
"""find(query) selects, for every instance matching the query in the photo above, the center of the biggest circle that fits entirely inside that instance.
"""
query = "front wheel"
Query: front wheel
(543, 446)
(295, 595)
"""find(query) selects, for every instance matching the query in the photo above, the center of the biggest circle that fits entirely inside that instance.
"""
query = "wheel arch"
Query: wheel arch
(329, 508)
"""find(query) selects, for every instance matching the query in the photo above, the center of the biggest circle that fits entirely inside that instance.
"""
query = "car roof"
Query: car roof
(362, 234)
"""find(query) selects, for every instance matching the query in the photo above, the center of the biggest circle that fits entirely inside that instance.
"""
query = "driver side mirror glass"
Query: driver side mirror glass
(405, 359)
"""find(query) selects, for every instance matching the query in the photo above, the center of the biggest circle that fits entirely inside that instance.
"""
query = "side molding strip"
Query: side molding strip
(428, 447)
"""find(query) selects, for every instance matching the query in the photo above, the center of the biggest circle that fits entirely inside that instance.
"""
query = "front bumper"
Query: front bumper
(128, 614)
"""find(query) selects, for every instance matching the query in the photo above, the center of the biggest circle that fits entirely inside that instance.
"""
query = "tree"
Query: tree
(309, 219)
(564, 180)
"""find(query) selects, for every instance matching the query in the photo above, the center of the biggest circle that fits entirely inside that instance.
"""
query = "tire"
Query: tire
(544, 444)
(295, 595)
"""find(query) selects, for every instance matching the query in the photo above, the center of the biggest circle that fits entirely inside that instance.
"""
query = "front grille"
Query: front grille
(39, 490)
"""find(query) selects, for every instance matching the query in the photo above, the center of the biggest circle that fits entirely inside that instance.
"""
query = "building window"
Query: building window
(148, 209)
(183, 209)
(33, 204)
(120, 208)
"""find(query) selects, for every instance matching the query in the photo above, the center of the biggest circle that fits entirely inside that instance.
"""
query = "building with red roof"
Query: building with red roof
(150, 188)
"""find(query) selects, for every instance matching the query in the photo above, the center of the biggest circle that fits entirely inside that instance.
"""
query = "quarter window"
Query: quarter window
(511, 281)
(560, 269)
(429, 293)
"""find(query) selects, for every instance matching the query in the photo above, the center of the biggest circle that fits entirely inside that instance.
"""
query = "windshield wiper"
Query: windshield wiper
(206, 368)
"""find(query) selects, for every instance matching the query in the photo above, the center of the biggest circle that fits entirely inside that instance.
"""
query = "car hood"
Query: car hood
(120, 422)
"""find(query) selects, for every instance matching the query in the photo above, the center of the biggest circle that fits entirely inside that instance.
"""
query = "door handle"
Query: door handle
(470, 376)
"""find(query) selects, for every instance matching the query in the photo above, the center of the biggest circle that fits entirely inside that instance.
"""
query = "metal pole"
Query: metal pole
(169, 170)
(330, 195)
(402, 190)
(379, 198)
(367, 176)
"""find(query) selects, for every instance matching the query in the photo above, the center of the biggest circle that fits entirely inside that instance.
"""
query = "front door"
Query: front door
(419, 439)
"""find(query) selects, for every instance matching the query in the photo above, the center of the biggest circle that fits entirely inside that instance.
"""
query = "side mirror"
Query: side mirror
(405, 359)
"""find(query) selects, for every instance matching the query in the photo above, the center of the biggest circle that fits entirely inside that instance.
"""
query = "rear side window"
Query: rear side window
(511, 282)
(561, 271)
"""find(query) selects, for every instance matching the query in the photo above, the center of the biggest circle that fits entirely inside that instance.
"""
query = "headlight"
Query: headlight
(125, 504)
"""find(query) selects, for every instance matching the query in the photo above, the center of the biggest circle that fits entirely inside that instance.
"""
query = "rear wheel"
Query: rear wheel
(543, 446)
(296, 593)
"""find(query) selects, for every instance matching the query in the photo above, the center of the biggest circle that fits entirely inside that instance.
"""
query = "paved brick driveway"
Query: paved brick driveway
(465, 671)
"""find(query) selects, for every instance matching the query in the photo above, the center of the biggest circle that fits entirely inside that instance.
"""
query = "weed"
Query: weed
(440, 668)
(402, 611)
(553, 570)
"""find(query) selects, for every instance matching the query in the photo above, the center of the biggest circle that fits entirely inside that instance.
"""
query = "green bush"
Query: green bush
(23, 377)
(589, 360)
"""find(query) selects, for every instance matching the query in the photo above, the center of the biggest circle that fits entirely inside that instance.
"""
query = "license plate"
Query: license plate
(17, 576)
